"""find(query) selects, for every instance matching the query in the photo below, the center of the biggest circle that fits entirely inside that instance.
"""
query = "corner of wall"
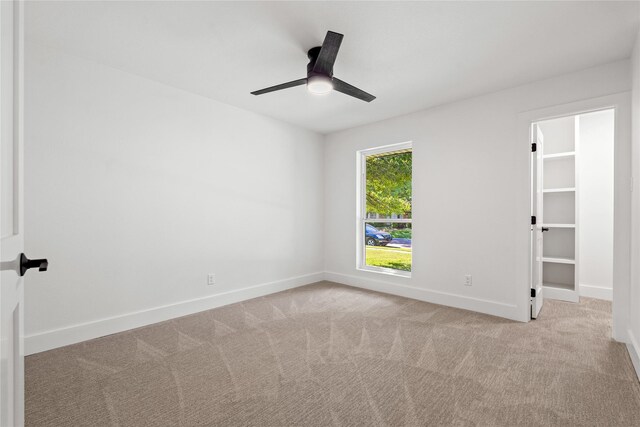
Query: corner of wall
(633, 332)
(634, 352)
(323, 204)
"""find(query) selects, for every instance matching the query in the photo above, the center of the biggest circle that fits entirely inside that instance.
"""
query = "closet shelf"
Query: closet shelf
(559, 190)
(558, 260)
(563, 286)
(559, 155)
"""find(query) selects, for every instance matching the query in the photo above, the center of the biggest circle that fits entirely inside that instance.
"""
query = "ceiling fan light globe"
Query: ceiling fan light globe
(319, 85)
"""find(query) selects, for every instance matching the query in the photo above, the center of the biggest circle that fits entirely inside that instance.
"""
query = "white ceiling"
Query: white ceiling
(411, 55)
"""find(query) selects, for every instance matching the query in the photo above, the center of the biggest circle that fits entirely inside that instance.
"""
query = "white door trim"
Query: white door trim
(621, 102)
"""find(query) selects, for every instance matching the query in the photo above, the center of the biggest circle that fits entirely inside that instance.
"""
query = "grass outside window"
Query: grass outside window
(389, 257)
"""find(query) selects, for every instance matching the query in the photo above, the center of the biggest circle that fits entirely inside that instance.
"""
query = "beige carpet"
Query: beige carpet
(326, 354)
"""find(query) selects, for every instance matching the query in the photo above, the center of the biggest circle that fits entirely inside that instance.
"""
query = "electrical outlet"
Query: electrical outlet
(467, 280)
(211, 279)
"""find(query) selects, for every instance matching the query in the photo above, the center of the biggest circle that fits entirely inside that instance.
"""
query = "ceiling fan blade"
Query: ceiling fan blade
(328, 53)
(347, 89)
(280, 87)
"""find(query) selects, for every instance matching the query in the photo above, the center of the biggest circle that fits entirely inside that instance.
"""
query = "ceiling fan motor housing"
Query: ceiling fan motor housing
(312, 54)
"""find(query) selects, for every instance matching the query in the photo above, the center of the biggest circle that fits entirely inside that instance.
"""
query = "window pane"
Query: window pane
(388, 245)
(388, 185)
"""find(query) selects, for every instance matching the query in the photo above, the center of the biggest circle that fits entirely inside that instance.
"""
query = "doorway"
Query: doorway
(574, 205)
(619, 104)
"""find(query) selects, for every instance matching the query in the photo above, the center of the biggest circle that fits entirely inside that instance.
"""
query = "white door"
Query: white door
(11, 215)
(537, 141)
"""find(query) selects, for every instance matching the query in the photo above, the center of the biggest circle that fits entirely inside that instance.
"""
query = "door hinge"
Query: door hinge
(534, 147)
(533, 293)
(533, 220)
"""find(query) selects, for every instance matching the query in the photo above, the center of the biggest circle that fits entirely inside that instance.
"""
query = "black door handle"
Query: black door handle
(545, 229)
(26, 263)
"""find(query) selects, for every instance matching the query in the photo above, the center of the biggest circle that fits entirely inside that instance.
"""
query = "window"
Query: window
(384, 209)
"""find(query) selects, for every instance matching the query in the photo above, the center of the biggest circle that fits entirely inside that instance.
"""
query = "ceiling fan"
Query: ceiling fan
(320, 78)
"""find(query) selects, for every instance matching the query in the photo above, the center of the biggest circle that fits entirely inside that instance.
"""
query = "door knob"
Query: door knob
(26, 263)
(545, 229)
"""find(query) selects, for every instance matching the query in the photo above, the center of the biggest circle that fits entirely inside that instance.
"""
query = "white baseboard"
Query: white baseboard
(599, 292)
(493, 308)
(55, 338)
(634, 352)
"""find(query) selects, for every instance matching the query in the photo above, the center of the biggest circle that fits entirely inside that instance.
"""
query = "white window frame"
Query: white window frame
(361, 214)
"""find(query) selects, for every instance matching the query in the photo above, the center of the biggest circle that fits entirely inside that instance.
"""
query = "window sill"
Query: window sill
(387, 271)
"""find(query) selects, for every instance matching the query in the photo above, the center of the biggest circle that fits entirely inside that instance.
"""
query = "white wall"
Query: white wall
(634, 297)
(595, 206)
(470, 193)
(136, 190)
